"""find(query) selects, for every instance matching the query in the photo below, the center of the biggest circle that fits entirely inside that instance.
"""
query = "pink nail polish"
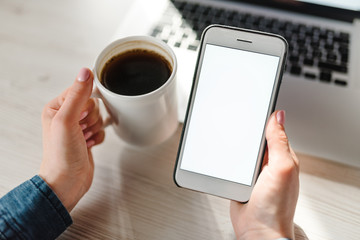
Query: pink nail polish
(280, 117)
(83, 75)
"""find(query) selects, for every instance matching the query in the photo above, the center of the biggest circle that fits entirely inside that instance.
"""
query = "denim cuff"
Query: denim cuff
(32, 211)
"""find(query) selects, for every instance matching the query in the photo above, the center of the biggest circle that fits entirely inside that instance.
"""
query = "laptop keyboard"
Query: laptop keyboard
(315, 53)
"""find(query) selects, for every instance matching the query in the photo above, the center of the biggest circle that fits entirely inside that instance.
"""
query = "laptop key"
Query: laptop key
(331, 57)
(333, 66)
(344, 48)
(345, 37)
(329, 45)
(157, 30)
(192, 47)
(344, 58)
(311, 76)
(323, 34)
(315, 43)
(294, 58)
(330, 33)
(340, 82)
(308, 61)
(317, 53)
(325, 76)
(302, 50)
(295, 70)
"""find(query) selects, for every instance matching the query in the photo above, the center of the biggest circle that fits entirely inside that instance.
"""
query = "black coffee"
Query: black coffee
(135, 72)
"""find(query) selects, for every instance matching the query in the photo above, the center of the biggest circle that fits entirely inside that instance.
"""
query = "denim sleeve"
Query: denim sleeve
(32, 211)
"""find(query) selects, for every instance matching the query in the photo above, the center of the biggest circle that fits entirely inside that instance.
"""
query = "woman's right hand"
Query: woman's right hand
(270, 211)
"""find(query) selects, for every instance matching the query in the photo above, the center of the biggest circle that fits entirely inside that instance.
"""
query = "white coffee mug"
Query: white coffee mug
(146, 119)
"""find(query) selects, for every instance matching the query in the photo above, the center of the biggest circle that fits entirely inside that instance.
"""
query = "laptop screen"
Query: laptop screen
(353, 5)
(344, 10)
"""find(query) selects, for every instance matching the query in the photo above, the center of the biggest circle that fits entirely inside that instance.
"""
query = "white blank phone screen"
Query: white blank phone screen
(229, 113)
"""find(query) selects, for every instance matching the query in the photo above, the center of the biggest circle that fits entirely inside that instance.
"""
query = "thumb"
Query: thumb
(279, 151)
(77, 96)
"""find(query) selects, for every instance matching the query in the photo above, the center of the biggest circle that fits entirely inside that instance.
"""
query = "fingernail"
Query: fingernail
(83, 75)
(88, 135)
(90, 143)
(280, 117)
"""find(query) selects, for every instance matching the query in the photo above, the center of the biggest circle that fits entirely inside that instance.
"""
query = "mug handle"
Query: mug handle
(96, 94)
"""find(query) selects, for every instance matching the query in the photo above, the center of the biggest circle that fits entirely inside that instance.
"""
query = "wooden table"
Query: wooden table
(43, 44)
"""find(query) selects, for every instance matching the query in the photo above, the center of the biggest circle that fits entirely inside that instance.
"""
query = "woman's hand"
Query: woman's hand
(71, 126)
(270, 211)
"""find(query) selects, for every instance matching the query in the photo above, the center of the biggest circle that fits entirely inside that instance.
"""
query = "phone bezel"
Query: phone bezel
(242, 39)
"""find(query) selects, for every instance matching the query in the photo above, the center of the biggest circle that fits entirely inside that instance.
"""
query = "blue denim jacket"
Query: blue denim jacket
(32, 211)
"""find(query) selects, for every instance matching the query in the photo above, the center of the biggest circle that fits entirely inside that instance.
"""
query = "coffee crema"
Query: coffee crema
(135, 72)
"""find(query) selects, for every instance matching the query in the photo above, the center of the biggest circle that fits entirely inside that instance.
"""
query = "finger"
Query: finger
(52, 107)
(96, 139)
(279, 153)
(296, 160)
(77, 96)
(266, 158)
(92, 117)
(89, 107)
(89, 132)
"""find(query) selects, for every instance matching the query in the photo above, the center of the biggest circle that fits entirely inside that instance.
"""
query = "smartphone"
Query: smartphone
(234, 92)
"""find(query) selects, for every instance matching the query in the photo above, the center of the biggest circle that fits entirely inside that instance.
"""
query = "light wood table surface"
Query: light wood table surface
(43, 44)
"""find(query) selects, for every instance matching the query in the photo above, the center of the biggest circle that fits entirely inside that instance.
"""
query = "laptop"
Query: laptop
(321, 85)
